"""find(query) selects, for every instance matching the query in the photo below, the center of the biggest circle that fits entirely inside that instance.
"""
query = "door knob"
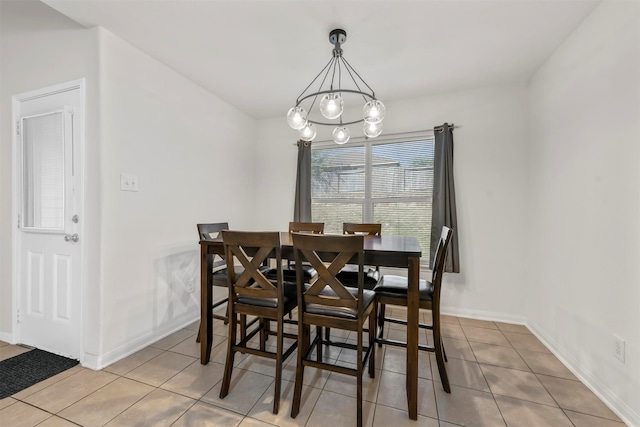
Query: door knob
(71, 237)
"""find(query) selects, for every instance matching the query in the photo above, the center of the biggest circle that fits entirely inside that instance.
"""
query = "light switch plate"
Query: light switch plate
(128, 182)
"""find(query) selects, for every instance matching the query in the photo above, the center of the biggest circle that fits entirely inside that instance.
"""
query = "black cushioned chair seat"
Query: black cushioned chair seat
(349, 276)
(290, 296)
(221, 274)
(348, 313)
(289, 273)
(396, 286)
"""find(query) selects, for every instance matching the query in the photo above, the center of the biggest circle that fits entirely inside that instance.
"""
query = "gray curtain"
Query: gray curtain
(444, 197)
(302, 206)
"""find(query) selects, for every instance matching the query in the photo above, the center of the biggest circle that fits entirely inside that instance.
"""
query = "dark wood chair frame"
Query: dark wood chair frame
(369, 229)
(304, 227)
(246, 291)
(219, 265)
(363, 229)
(336, 251)
(300, 227)
(433, 305)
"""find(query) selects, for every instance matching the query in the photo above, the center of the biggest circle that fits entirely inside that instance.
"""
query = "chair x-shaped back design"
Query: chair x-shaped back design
(326, 277)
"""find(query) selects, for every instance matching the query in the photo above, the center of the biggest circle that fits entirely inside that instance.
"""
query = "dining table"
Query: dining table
(384, 251)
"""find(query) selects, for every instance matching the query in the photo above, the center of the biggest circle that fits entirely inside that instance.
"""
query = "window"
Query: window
(390, 182)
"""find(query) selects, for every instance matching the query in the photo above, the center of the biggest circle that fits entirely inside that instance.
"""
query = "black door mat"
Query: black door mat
(31, 367)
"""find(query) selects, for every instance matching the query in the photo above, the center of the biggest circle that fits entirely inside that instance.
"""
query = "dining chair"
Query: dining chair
(349, 274)
(393, 290)
(327, 302)
(219, 277)
(289, 270)
(251, 293)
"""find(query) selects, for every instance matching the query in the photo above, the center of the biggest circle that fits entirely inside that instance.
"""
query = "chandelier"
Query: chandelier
(329, 96)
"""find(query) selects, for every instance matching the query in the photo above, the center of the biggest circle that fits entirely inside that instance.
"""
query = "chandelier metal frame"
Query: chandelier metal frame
(331, 82)
(337, 62)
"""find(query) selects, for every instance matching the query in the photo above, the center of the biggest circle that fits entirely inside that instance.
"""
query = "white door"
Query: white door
(48, 249)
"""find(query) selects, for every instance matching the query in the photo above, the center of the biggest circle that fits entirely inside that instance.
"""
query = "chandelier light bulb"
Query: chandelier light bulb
(331, 105)
(373, 111)
(371, 130)
(308, 132)
(341, 135)
(297, 118)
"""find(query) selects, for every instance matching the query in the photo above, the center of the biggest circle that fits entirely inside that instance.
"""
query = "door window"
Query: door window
(44, 175)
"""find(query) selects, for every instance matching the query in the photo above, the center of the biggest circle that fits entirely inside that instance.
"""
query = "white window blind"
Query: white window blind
(387, 182)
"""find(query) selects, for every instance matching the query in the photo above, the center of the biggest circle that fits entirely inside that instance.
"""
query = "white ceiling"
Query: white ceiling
(259, 55)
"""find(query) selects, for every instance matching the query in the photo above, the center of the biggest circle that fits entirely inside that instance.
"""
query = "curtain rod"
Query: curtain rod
(392, 135)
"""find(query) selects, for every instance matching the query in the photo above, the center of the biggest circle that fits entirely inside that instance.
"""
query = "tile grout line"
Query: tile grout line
(495, 401)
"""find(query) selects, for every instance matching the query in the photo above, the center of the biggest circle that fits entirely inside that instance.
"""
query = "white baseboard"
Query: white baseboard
(600, 389)
(136, 344)
(482, 315)
(90, 361)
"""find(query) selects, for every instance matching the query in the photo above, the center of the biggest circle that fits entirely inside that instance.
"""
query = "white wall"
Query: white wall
(193, 156)
(582, 267)
(143, 118)
(491, 176)
(40, 47)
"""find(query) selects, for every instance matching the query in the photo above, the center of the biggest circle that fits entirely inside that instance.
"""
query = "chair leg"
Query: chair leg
(264, 328)
(327, 334)
(319, 346)
(444, 353)
(359, 380)
(278, 381)
(268, 329)
(438, 348)
(303, 346)
(228, 366)
(226, 322)
(381, 323)
(243, 326)
(372, 340)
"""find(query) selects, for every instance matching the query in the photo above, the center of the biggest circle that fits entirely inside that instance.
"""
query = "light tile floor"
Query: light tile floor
(500, 374)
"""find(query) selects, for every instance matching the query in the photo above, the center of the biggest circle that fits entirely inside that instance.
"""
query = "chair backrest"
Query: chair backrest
(209, 232)
(206, 231)
(336, 251)
(440, 260)
(306, 227)
(364, 229)
(252, 249)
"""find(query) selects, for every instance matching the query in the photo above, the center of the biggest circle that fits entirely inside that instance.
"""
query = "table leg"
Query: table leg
(206, 310)
(413, 313)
